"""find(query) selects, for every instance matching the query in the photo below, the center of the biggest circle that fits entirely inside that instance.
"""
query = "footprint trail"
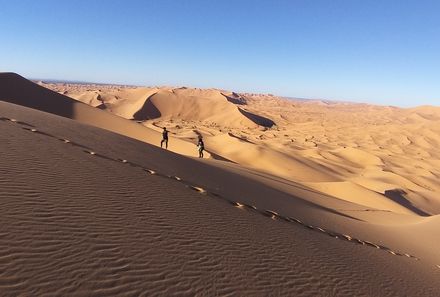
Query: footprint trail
(197, 188)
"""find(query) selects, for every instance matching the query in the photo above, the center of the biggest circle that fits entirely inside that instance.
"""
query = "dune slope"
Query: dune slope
(73, 222)
(208, 106)
(18, 90)
(379, 157)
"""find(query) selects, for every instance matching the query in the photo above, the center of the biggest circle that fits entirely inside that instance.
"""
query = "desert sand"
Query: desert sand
(294, 197)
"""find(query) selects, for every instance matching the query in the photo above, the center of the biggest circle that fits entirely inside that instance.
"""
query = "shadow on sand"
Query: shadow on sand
(397, 195)
(18, 90)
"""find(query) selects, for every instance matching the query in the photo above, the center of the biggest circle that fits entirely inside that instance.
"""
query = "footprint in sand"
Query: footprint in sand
(285, 219)
(253, 207)
(150, 171)
(270, 213)
(359, 241)
(30, 129)
(237, 204)
(16, 122)
(198, 189)
(334, 235)
(296, 220)
(372, 244)
(392, 252)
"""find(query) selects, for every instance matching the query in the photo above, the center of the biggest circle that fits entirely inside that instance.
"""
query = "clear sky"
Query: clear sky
(384, 52)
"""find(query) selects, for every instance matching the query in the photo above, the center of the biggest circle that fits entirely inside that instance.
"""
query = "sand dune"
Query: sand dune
(303, 140)
(104, 227)
(245, 153)
(18, 90)
(332, 200)
(209, 106)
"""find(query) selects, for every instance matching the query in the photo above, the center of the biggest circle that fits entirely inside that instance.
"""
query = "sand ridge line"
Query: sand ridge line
(366, 209)
(268, 213)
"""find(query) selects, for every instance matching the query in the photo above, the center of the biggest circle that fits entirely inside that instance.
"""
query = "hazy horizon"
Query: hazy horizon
(79, 82)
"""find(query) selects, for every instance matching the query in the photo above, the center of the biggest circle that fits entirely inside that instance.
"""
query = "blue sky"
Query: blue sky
(382, 52)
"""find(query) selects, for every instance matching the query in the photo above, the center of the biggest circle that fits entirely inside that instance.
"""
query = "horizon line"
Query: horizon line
(325, 100)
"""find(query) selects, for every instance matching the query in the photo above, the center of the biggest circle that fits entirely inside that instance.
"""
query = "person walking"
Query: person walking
(201, 147)
(164, 138)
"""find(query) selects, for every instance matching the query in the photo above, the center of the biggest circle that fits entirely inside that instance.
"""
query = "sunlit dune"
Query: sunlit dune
(292, 197)
(333, 147)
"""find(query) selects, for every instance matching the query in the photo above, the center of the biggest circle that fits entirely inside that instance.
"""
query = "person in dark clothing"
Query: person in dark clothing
(201, 147)
(164, 138)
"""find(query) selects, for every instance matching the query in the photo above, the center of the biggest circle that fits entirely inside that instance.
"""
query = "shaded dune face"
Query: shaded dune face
(257, 119)
(398, 196)
(147, 112)
(16, 89)
(235, 98)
